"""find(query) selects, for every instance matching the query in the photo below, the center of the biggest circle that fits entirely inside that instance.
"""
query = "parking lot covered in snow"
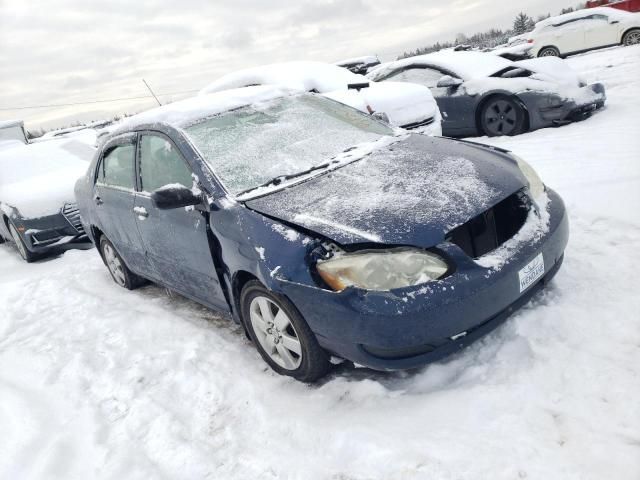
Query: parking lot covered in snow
(97, 380)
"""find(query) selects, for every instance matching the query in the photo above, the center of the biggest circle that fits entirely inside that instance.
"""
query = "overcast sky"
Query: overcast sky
(63, 51)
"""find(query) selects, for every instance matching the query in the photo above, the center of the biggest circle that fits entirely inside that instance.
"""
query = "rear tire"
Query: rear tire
(24, 252)
(502, 115)
(117, 268)
(280, 334)
(632, 37)
(549, 52)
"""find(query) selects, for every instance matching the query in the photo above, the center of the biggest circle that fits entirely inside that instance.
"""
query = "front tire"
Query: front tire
(280, 334)
(24, 252)
(549, 52)
(632, 37)
(117, 268)
(502, 115)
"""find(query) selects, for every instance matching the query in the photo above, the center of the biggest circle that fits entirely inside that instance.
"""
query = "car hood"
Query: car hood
(410, 193)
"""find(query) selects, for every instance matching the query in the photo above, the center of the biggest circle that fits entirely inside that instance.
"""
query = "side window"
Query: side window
(161, 164)
(424, 76)
(117, 167)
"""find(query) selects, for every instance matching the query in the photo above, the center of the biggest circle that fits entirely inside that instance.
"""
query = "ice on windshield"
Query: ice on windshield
(252, 145)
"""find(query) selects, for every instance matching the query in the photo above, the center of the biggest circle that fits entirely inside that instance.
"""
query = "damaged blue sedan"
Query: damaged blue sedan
(321, 230)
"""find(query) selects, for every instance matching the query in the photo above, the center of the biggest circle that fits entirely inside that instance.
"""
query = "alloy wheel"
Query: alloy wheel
(114, 264)
(275, 332)
(632, 38)
(500, 118)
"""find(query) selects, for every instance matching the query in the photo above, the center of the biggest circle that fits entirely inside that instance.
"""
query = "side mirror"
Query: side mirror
(174, 196)
(449, 81)
(383, 117)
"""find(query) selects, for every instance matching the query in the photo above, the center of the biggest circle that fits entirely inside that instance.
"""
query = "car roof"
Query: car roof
(608, 11)
(302, 76)
(186, 112)
(467, 64)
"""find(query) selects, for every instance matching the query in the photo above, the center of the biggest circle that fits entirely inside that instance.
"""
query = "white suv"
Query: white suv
(584, 30)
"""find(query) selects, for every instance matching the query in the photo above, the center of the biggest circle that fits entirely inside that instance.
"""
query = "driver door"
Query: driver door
(177, 240)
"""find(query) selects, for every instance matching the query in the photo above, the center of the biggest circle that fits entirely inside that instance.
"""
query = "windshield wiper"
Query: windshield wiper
(274, 182)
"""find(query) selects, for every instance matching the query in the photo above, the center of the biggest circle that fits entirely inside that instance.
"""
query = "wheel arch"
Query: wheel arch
(624, 33)
(491, 95)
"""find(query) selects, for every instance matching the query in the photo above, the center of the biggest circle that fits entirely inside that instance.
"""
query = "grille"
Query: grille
(490, 229)
(72, 214)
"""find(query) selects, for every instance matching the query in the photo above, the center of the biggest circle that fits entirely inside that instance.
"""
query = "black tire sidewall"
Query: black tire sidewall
(315, 362)
(520, 114)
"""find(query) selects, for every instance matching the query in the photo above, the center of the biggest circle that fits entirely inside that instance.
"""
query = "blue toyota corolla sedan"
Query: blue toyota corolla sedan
(321, 230)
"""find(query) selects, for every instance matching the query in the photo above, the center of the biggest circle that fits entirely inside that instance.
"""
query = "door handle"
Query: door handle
(141, 212)
(98, 200)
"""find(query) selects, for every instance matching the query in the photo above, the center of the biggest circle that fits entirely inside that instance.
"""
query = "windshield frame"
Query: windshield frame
(322, 168)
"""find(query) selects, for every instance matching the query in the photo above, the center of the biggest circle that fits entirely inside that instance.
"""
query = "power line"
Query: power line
(93, 101)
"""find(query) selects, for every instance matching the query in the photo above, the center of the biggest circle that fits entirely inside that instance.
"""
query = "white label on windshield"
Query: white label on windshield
(531, 272)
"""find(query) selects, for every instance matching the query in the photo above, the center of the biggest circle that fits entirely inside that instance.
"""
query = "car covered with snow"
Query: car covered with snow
(516, 48)
(37, 205)
(404, 105)
(584, 30)
(482, 94)
(359, 65)
(321, 230)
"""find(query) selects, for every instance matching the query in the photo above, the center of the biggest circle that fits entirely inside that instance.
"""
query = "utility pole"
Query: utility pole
(154, 95)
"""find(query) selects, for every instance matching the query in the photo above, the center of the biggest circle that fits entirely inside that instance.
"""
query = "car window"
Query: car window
(424, 76)
(117, 167)
(161, 164)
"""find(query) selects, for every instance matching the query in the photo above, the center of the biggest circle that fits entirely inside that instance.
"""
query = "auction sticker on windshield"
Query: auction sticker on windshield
(531, 272)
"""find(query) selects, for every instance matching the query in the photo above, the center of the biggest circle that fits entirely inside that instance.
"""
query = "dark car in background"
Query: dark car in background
(37, 207)
(321, 230)
(483, 94)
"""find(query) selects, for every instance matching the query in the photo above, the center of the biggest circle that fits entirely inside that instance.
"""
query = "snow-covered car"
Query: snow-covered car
(516, 48)
(584, 30)
(405, 105)
(482, 94)
(359, 65)
(37, 205)
(320, 229)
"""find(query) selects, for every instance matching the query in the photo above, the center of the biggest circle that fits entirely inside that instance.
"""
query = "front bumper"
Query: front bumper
(52, 233)
(410, 327)
(587, 100)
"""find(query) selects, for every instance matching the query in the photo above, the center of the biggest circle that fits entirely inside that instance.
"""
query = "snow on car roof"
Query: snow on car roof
(184, 112)
(467, 65)
(367, 60)
(303, 76)
(608, 11)
(11, 123)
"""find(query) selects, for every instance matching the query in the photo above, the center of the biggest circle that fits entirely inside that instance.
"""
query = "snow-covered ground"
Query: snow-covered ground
(99, 382)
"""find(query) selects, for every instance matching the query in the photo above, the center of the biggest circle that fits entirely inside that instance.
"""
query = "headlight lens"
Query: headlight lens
(382, 270)
(536, 187)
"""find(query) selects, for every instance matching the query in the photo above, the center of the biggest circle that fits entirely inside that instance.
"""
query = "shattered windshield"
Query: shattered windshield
(249, 146)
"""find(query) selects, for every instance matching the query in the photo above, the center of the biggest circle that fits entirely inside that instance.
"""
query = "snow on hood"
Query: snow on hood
(302, 76)
(412, 193)
(38, 179)
(551, 69)
(466, 64)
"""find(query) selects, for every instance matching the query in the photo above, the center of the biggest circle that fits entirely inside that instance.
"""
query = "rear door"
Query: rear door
(570, 36)
(176, 241)
(114, 197)
(599, 32)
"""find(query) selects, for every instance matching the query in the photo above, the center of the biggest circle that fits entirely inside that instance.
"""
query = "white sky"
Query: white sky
(64, 51)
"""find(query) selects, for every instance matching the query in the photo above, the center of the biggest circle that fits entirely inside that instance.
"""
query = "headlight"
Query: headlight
(536, 187)
(382, 270)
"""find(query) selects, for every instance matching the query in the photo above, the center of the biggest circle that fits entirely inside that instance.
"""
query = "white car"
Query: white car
(584, 30)
(405, 105)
